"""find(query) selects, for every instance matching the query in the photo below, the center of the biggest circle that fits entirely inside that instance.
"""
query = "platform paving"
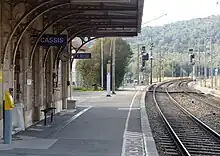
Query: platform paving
(100, 126)
(205, 90)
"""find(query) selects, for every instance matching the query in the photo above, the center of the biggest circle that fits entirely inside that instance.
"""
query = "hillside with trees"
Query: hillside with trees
(174, 40)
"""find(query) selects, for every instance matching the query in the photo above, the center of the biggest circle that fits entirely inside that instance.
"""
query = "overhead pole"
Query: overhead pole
(151, 48)
(138, 64)
(199, 64)
(211, 55)
(151, 61)
(205, 67)
(160, 66)
(113, 65)
(108, 74)
(102, 64)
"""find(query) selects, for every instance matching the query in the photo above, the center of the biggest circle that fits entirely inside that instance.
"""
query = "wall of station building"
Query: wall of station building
(35, 85)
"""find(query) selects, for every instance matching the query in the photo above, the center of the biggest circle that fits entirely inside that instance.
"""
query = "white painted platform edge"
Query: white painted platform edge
(149, 143)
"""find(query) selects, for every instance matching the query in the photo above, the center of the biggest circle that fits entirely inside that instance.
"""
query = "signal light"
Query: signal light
(145, 57)
(143, 49)
(192, 57)
(143, 63)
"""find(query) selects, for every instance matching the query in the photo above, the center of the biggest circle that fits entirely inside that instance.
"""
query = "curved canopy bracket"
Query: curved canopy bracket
(30, 23)
(43, 32)
(19, 23)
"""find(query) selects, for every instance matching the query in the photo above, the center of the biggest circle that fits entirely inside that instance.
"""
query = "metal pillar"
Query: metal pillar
(194, 72)
(102, 63)
(172, 68)
(160, 67)
(151, 71)
(216, 77)
(108, 82)
(138, 64)
(151, 62)
(181, 65)
(205, 68)
(199, 64)
(113, 65)
(211, 55)
(70, 71)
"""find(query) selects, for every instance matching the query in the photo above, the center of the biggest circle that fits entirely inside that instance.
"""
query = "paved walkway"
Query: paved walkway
(100, 126)
(205, 90)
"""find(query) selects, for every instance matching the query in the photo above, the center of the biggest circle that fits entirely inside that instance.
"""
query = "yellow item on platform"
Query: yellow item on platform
(9, 102)
(1, 76)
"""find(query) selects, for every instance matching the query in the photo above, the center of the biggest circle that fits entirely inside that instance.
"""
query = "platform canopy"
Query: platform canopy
(86, 19)
(94, 18)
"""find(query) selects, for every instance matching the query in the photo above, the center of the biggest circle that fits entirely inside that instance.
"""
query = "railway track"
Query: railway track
(165, 144)
(191, 136)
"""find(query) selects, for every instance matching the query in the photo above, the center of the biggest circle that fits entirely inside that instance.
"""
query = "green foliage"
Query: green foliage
(86, 89)
(90, 69)
(175, 39)
(179, 36)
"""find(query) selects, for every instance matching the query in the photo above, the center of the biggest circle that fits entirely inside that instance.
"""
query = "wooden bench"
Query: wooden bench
(46, 111)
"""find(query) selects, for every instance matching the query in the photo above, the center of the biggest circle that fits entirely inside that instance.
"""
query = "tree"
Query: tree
(90, 69)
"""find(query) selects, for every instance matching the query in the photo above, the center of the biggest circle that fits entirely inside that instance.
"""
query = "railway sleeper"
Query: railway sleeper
(201, 143)
(203, 152)
(212, 148)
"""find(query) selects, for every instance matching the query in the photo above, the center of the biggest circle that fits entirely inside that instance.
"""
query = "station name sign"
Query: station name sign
(53, 40)
(82, 56)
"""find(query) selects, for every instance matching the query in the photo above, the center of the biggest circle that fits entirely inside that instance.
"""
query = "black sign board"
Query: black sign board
(82, 56)
(53, 40)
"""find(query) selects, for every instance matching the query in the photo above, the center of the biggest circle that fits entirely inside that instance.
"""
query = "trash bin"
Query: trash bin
(18, 118)
(71, 104)
(95, 86)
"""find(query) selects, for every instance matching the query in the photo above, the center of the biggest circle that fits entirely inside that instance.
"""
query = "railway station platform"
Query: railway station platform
(99, 126)
(38, 47)
(205, 90)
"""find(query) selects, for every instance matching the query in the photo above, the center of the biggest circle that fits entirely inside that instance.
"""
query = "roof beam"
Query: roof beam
(109, 34)
(98, 7)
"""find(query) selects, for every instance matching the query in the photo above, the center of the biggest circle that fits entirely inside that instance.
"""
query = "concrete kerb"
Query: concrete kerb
(149, 143)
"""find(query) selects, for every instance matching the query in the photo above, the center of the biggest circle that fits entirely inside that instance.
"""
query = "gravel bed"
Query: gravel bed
(204, 112)
(158, 128)
(214, 99)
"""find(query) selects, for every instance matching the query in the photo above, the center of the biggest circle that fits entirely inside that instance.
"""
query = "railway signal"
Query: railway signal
(192, 58)
(143, 49)
(192, 61)
(145, 57)
(143, 63)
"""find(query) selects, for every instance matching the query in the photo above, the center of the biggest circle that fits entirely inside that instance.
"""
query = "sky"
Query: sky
(177, 10)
